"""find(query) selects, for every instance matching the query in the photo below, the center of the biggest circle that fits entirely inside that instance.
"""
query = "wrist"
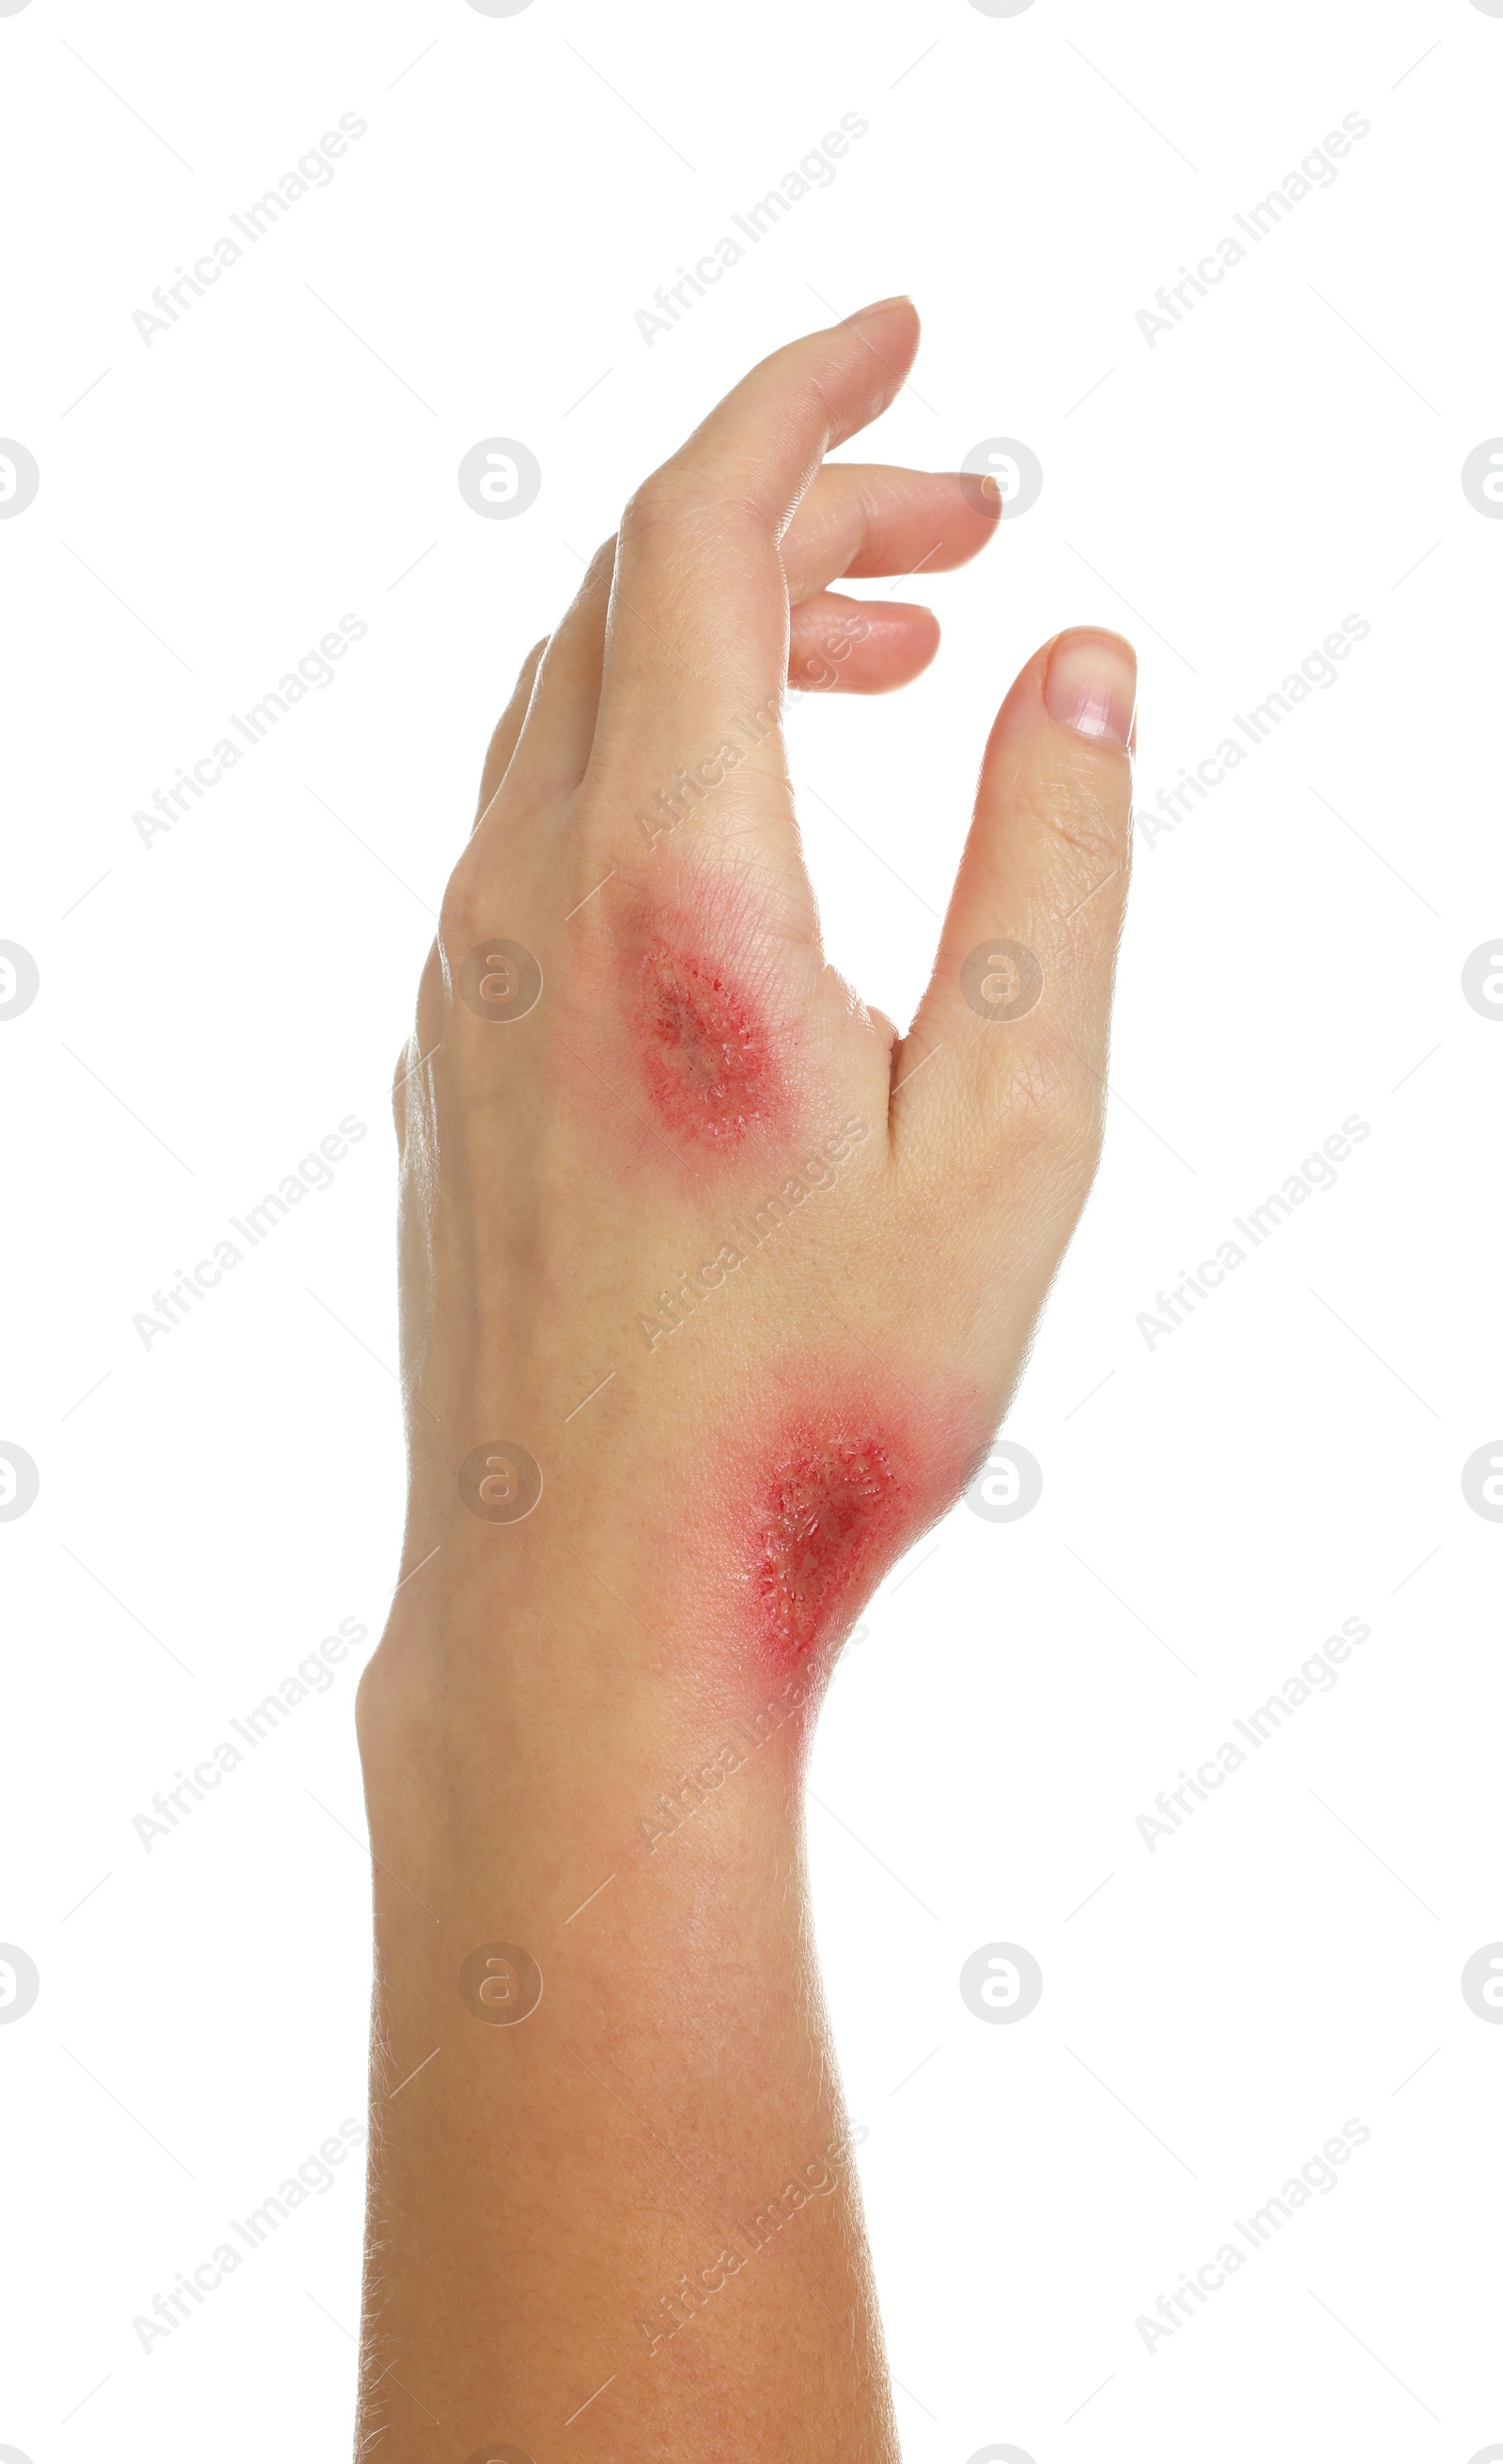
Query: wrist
(500, 1742)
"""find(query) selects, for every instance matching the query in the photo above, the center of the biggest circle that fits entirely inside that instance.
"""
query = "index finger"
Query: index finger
(699, 622)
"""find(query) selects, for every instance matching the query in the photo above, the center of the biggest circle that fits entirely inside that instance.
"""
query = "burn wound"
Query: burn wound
(705, 1055)
(832, 1516)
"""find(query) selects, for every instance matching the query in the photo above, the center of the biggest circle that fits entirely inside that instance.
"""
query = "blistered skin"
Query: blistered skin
(834, 1512)
(705, 1052)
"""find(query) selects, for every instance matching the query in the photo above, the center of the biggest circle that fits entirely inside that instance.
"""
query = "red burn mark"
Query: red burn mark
(834, 1511)
(705, 1059)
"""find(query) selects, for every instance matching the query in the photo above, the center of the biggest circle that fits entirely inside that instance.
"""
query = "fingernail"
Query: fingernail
(1091, 684)
(898, 299)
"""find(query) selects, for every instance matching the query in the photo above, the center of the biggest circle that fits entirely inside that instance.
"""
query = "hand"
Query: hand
(672, 1164)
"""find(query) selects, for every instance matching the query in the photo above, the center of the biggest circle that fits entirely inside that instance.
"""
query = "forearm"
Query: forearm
(641, 2186)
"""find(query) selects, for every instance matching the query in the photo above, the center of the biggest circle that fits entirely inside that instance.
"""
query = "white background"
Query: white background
(212, 1004)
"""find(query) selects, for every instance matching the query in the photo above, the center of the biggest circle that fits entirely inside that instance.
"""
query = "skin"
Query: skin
(619, 2220)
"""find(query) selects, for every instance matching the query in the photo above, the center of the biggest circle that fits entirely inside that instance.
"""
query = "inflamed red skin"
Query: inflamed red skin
(833, 1509)
(808, 1511)
(699, 1009)
(708, 1065)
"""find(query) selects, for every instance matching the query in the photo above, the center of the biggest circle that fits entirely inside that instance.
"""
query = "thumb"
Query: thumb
(1016, 1015)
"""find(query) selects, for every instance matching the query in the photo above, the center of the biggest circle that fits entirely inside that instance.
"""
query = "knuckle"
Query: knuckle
(1052, 1104)
(467, 911)
(684, 495)
(665, 496)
